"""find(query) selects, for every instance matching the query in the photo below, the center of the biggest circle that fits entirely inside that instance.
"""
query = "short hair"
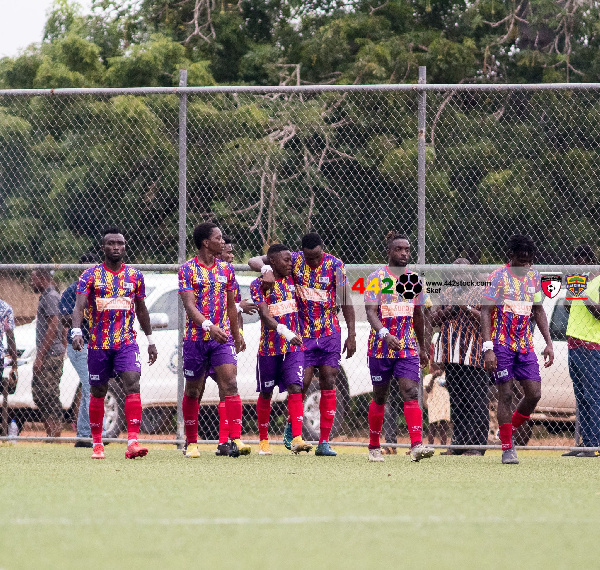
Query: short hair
(586, 252)
(392, 236)
(277, 248)
(520, 242)
(110, 230)
(202, 232)
(227, 239)
(311, 240)
(44, 273)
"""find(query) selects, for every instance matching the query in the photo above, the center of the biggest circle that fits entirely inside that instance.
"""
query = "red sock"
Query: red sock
(190, 408)
(518, 420)
(223, 424)
(233, 407)
(133, 415)
(289, 416)
(96, 411)
(506, 431)
(263, 413)
(327, 407)
(376, 413)
(414, 421)
(296, 411)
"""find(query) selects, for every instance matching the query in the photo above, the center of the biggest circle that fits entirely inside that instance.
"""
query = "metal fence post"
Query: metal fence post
(181, 257)
(421, 167)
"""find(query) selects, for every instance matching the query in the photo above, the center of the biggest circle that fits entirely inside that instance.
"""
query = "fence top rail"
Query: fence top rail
(110, 91)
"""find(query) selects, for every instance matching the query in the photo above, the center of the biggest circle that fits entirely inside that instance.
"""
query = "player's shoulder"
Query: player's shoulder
(377, 274)
(133, 272)
(256, 282)
(5, 308)
(335, 261)
(225, 267)
(92, 271)
(500, 272)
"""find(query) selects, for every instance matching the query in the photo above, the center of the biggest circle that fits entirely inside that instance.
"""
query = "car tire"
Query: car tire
(114, 410)
(312, 412)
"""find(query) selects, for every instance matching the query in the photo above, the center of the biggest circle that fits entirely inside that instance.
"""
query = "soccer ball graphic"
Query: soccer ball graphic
(409, 286)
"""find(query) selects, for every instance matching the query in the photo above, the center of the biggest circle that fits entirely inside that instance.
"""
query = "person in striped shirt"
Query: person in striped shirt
(396, 346)
(114, 293)
(212, 338)
(321, 284)
(280, 359)
(512, 297)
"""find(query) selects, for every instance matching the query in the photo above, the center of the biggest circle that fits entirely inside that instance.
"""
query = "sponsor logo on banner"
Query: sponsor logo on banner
(551, 285)
(390, 310)
(521, 308)
(114, 304)
(576, 285)
(310, 294)
(283, 308)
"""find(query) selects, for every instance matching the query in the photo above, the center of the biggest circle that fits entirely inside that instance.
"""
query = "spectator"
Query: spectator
(7, 326)
(459, 349)
(437, 401)
(583, 341)
(49, 360)
(79, 358)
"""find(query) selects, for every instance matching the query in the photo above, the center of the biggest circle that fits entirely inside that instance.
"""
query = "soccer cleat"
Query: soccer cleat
(134, 449)
(242, 448)
(421, 451)
(587, 453)
(191, 450)
(323, 450)
(222, 449)
(375, 455)
(264, 448)
(98, 452)
(287, 436)
(509, 456)
(573, 453)
(298, 445)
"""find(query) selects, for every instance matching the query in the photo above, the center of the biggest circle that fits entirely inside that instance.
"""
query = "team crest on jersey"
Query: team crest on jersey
(324, 280)
(576, 285)
(221, 279)
(128, 286)
(551, 285)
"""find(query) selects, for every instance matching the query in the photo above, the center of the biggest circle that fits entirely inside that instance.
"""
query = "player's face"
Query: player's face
(521, 261)
(114, 247)
(399, 252)
(313, 256)
(215, 243)
(38, 284)
(227, 254)
(281, 262)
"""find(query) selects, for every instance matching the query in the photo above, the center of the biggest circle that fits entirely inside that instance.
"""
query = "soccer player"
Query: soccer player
(114, 293)
(281, 353)
(321, 282)
(396, 347)
(513, 294)
(212, 338)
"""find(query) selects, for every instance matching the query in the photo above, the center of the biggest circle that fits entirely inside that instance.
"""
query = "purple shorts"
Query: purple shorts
(517, 365)
(323, 351)
(280, 370)
(382, 369)
(199, 356)
(104, 364)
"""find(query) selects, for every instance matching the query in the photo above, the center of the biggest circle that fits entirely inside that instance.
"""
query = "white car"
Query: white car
(159, 383)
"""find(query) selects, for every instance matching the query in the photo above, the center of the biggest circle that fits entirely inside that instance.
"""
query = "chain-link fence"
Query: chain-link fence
(459, 169)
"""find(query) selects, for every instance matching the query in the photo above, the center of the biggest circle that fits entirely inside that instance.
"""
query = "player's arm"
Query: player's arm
(81, 304)
(542, 322)
(380, 330)
(51, 332)
(144, 318)
(271, 324)
(11, 347)
(232, 314)
(489, 358)
(419, 326)
(259, 263)
(189, 303)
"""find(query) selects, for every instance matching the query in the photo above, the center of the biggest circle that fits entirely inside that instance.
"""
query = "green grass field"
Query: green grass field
(60, 509)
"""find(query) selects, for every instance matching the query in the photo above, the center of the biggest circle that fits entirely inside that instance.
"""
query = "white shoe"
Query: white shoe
(421, 451)
(375, 455)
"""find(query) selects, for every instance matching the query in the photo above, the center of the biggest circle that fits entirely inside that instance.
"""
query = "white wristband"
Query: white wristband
(285, 332)
(206, 324)
(150, 340)
(238, 308)
(383, 332)
(76, 332)
(265, 268)
(488, 345)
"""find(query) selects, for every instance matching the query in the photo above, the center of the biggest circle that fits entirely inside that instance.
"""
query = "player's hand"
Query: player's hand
(78, 343)
(548, 355)
(296, 341)
(350, 346)
(393, 342)
(218, 334)
(490, 363)
(268, 280)
(37, 365)
(248, 307)
(240, 344)
(152, 354)
(423, 358)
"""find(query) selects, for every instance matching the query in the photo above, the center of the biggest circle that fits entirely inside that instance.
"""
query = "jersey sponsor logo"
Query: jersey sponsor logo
(114, 304)
(521, 308)
(324, 280)
(310, 294)
(283, 308)
(391, 310)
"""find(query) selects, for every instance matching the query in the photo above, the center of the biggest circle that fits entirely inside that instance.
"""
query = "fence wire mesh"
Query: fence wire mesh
(270, 166)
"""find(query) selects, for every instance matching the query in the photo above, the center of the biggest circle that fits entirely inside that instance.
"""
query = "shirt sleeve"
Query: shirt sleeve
(140, 290)
(537, 296)
(67, 300)
(84, 286)
(50, 308)
(341, 277)
(230, 278)
(185, 278)
(256, 293)
(9, 319)
(372, 295)
(494, 289)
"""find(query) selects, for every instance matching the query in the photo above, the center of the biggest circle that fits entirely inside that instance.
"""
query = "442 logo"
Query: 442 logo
(408, 286)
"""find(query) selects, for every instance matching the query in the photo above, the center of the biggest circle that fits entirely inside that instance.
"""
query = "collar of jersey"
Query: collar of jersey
(114, 272)
(387, 270)
(202, 264)
(516, 276)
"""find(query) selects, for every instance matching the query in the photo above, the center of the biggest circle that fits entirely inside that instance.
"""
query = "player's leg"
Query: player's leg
(309, 374)
(290, 380)
(100, 366)
(223, 445)
(442, 428)
(267, 368)
(504, 379)
(380, 370)
(327, 407)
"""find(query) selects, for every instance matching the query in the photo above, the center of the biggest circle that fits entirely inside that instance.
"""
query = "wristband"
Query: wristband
(150, 340)
(238, 308)
(241, 332)
(382, 332)
(76, 332)
(285, 332)
(265, 268)
(206, 324)
(488, 345)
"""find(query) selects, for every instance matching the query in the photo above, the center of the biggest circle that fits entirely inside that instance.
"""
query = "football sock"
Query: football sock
(414, 421)
(506, 431)
(96, 411)
(190, 408)
(263, 413)
(223, 424)
(327, 407)
(233, 407)
(289, 416)
(133, 415)
(296, 411)
(518, 420)
(376, 413)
